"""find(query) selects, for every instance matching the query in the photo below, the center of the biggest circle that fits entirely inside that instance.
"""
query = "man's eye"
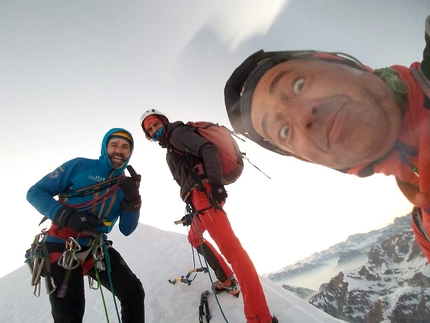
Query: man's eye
(283, 133)
(298, 86)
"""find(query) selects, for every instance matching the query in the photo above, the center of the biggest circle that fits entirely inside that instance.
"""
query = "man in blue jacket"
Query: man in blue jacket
(92, 195)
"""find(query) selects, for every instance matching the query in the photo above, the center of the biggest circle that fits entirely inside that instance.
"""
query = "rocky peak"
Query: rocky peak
(390, 285)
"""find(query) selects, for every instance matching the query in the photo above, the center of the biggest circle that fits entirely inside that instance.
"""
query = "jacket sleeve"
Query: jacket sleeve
(189, 141)
(128, 222)
(41, 195)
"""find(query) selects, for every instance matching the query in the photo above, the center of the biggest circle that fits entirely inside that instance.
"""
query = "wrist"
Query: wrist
(131, 205)
(216, 184)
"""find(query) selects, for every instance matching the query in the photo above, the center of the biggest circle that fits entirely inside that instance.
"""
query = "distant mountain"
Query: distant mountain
(391, 285)
(355, 247)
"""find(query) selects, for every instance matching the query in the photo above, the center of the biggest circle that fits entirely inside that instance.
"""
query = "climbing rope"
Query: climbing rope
(99, 253)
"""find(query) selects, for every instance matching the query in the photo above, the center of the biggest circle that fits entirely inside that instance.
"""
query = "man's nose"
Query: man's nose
(151, 131)
(304, 113)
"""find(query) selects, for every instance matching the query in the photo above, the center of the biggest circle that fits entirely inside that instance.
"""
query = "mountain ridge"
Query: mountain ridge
(390, 286)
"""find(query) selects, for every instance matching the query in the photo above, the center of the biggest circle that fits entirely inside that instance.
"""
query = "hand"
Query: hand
(187, 219)
(130, 188)
(218, 193)
(130, 185)
(67, 217)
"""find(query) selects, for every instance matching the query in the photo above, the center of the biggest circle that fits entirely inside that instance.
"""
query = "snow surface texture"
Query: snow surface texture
(155, 256)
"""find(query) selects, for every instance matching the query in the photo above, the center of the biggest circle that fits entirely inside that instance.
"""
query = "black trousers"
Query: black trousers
(127, 288)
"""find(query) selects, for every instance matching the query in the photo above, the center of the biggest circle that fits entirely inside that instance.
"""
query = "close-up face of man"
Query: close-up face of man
(119, 151)
(153, 127)
(326, 113)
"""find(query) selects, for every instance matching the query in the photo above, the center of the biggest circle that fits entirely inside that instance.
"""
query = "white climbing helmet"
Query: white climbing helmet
(148, 113)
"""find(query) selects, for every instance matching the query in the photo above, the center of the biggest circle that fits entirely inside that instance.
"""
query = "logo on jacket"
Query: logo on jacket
(54, 174)
(97, 178)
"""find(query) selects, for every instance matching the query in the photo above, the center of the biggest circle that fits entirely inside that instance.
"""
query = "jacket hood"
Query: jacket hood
(104, 155)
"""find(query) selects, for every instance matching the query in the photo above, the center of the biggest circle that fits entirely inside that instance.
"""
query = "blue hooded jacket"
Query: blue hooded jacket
(79, 173)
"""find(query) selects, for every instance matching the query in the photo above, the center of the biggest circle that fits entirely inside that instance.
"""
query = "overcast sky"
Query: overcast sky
(71, 70)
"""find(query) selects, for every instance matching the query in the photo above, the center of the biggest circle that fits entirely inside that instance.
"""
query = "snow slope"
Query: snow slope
(155, 256)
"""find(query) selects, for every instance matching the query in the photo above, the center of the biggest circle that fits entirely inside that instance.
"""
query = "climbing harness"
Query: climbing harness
(188, 217)
(72, 258)
(38, 261)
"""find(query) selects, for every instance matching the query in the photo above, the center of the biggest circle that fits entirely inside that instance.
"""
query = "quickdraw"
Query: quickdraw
(187, 279)
(37, 259)
(68, 259)
(98, 256)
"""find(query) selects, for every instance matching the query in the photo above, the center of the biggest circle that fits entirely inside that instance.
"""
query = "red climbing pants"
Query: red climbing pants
(215, 221)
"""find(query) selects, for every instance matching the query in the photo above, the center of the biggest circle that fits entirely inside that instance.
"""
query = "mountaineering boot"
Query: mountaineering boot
(231, 286)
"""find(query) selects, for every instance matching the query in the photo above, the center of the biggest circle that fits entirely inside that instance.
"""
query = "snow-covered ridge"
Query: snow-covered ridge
(155, 256)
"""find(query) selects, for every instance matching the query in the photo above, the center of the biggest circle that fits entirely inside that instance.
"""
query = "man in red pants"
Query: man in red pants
(186, 151)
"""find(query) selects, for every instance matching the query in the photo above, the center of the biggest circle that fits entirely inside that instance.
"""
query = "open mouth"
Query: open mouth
(332, 127)
(117, 159)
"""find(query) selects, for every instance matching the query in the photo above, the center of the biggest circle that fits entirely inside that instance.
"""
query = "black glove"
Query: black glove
(186, 219)
(218, 193)
(130, 189)
(67, 217)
